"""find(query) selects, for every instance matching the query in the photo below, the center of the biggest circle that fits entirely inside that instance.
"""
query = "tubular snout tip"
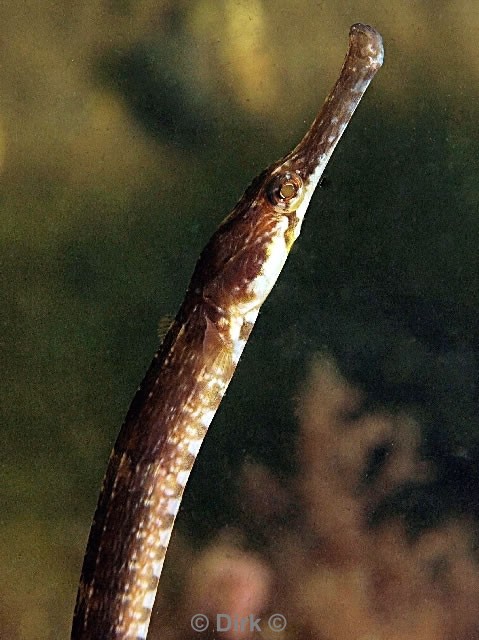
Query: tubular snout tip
(366, 42)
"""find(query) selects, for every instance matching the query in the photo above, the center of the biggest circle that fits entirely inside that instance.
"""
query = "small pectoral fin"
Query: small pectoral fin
(164, 325)
(216, 348)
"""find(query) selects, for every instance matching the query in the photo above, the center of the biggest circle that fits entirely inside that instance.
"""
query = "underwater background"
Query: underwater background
(339, 483)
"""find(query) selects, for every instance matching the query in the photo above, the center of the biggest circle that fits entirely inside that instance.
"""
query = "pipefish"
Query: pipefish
(183, 387)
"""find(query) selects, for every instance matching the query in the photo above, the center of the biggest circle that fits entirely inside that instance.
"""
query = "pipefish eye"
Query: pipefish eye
(285, 191)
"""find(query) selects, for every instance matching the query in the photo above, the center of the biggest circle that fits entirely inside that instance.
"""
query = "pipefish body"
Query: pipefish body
(178, 398)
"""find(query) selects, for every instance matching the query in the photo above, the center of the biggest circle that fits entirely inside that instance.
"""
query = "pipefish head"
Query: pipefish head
(244, 258)
(241, 263)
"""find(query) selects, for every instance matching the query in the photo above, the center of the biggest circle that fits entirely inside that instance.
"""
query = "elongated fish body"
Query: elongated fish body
(178, 398)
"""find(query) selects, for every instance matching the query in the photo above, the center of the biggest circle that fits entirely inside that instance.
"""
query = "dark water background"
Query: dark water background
(127, 132)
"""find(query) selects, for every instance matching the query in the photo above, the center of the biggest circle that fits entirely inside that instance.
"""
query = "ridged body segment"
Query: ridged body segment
(147, 473)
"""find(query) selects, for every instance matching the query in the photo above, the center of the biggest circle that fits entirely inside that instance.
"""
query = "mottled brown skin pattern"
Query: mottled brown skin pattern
(187, 378)
(139, 457)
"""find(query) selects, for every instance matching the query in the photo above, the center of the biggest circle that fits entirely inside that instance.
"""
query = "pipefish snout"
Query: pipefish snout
(183, 387)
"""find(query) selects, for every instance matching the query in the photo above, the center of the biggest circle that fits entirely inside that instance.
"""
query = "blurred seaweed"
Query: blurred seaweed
(361, 543)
